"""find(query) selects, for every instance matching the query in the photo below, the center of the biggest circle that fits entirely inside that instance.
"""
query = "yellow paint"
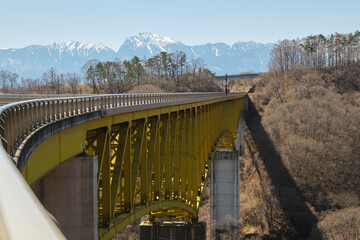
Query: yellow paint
(53, 151)
(185, 154)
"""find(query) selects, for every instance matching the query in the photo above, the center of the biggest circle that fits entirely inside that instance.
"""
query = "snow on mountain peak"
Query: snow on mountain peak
(73, 47)
(149, 41)
(155, 39)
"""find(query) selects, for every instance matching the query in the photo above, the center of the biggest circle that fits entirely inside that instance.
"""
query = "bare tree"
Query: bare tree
(13, 77)
(52, 80)
(4, 80)
(72, 81)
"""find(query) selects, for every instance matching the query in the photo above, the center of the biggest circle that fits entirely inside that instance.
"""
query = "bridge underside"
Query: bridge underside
(153, 161)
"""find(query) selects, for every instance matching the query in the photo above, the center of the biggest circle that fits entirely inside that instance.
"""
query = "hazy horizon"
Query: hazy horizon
(116, 49)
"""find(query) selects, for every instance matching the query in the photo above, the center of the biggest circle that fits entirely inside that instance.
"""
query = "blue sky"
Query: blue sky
(25, 22)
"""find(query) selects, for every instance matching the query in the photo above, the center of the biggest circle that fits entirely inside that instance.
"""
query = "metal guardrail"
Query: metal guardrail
(18, 120)
(6, 98)
(39, 96)
(21, 214)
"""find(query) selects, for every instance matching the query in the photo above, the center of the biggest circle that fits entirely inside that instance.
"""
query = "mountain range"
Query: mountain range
(32, 61)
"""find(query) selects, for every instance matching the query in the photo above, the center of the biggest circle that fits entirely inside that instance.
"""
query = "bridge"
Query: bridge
(152, 155)
(236, 77)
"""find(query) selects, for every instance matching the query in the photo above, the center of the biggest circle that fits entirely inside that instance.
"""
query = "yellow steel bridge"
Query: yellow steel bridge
(154, 151)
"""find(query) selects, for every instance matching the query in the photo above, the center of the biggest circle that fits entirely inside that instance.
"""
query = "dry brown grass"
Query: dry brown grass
(130, 232)
(316, 132)
(146, 88)
(204, 207)
(312, 118)
(261, 214)
(340, 225)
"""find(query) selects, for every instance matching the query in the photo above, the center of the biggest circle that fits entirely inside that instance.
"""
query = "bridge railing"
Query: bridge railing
(19, 120)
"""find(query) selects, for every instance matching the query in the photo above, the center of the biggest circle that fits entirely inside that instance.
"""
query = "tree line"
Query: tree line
(51, 82)
(316, 52)
(170, 71)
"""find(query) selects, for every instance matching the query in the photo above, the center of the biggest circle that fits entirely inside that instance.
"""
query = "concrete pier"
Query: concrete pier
(69, 193)
(224, 190)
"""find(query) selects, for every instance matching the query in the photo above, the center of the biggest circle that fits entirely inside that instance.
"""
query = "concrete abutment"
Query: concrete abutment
(69, 193)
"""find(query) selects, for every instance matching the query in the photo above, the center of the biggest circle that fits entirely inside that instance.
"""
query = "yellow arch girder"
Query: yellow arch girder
(148, 160)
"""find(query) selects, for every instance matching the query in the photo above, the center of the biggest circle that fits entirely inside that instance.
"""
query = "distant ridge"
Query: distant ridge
(32, 61)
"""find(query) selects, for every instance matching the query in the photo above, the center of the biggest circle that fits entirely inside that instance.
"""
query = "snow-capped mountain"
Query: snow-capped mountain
(221, 58)
(80, 49)
(34, 60)
(146, 44)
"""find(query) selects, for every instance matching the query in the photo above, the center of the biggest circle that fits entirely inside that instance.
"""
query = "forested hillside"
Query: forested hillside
(172, 72)
(309, 108)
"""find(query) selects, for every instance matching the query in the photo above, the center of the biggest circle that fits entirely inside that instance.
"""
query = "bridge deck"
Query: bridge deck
(237, 77)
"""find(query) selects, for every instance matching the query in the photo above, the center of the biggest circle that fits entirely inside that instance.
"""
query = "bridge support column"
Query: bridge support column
(224, 193)
(240, 136)
(69, 193)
